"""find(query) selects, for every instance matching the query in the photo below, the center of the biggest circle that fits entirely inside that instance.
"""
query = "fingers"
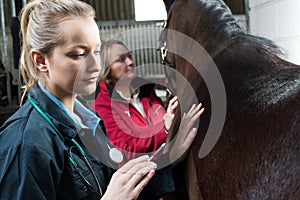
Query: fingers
(134, 170)
(129, 180)
(140, 186)
(132, 163)
(192, 115)
(186, 134)
(189, 118)
(169, 115)
(173, 100)
(173, 105)
(139, 171)
(195, 110)
(186, 130)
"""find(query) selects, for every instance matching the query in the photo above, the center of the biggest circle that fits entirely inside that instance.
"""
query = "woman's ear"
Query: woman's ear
(39, 60)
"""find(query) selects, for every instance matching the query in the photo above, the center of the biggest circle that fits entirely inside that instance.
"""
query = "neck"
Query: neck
(124, 86)
(66, 98)
(69, 102)
(124, 89)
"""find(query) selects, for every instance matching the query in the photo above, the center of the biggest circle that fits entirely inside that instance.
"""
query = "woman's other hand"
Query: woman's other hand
(169, 116)
(186, 134)
(128, 181)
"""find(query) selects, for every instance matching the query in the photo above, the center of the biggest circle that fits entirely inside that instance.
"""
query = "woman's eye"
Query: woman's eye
(77, 56)
(119, 59)
(97, 52)
(123, 59)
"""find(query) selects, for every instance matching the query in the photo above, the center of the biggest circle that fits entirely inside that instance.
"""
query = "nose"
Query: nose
(129, 62)
(93, 62)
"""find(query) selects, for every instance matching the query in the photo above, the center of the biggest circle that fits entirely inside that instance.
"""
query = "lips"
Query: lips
(130, 70)
(91, 79)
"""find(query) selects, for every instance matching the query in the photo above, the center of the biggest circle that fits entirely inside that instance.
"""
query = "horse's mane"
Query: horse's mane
(220, 28)
(216, 13)
(259, 61)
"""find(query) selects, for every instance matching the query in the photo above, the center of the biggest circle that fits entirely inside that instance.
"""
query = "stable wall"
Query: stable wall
(277, 20)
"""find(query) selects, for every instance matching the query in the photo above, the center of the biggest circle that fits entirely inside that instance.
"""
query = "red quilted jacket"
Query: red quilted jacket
(126, 127)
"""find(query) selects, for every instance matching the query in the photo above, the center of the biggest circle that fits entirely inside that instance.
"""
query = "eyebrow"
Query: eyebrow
(82, 46)
(126, 53)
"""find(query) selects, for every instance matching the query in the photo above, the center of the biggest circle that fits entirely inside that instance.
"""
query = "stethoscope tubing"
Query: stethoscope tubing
(44, 115)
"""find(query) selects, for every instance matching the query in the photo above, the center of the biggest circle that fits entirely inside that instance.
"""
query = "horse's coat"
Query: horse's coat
(257, 155)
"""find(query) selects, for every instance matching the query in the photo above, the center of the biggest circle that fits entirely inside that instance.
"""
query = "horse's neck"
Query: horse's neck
(212, 25)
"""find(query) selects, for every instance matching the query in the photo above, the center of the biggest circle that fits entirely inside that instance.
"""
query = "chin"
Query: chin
(131, 76)
(86, 91)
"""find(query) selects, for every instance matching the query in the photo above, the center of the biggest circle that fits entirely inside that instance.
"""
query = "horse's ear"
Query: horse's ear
(168, 4)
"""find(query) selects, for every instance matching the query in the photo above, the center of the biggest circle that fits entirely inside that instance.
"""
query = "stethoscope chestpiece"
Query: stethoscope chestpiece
(115, 155)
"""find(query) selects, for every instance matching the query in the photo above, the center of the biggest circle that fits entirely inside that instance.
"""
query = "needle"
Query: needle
(157, 151)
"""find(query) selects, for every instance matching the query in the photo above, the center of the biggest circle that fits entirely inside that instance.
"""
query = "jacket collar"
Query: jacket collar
(59, 118)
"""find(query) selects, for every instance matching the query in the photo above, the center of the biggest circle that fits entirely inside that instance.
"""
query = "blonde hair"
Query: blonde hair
(105, 58)
(40, 20)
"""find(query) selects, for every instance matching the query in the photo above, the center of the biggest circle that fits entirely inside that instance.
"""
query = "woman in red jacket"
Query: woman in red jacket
(135, 118)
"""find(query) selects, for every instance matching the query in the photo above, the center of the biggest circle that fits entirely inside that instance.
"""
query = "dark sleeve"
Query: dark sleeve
(27, 172)
(160, 185)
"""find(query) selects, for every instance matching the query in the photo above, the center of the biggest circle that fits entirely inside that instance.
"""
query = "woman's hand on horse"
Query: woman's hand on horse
(170, 114)
(186, 134)
(128, 181)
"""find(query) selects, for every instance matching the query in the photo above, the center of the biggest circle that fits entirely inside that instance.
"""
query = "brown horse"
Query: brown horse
(252, 151)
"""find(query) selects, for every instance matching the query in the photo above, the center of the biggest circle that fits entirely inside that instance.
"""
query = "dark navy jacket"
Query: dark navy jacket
(34, 162)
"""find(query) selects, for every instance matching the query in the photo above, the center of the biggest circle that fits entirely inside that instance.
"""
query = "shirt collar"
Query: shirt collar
(134, 95)
(89, 119)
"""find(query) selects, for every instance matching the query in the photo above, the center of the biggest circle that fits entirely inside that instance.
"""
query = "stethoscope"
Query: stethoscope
(114, 153)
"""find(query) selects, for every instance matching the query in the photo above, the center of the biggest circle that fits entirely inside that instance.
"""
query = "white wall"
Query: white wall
(277, 20)
(149, 10)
